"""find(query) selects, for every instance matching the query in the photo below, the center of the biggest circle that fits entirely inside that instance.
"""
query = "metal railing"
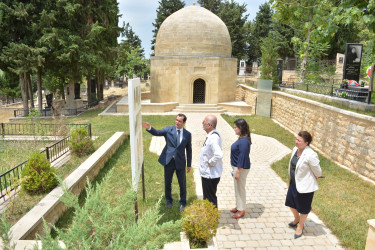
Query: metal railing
(331, 90)
(9, 178)
(40, 128)
(58, 149)
(53, 152)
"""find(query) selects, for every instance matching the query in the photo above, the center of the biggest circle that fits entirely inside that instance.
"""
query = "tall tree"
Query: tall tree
(282, 35)
(259, 30)
(130, 56)
(309, 19)
(165, 9)
(211, 5)
(19, 51)
(234, 17)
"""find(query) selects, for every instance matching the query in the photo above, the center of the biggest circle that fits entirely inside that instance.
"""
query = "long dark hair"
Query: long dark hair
(244, 128)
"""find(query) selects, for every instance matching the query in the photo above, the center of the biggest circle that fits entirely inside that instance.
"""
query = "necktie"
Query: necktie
(178, 136)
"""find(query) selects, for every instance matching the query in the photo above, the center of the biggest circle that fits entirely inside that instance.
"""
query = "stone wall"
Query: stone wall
(345, 137)
(248, 95)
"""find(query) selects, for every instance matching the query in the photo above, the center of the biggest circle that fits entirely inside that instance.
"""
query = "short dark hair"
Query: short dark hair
(306, 136)
(182, 115)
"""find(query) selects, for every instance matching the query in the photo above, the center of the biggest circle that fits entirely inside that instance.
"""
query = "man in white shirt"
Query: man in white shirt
(211, 164)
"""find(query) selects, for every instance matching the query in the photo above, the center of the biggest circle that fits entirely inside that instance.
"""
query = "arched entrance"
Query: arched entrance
(199, 91)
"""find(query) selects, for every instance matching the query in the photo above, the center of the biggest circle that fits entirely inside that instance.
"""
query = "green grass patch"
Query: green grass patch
(344, 201)
(13, 153)
(120, 165)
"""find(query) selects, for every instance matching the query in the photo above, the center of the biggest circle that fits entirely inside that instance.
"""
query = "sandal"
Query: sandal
(234, 210)
(238, 215)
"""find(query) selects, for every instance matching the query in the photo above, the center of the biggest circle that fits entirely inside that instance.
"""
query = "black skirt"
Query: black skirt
(298, 201)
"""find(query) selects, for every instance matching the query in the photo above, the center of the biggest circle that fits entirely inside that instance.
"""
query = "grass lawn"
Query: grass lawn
(13, 153)
(119, 164)
(344, 201)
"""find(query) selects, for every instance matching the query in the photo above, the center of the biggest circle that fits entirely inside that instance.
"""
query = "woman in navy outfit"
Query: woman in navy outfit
(304, 170)
(240, 161)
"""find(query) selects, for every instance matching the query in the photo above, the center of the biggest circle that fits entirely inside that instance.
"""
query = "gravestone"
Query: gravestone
(242, 68)
(352, 65)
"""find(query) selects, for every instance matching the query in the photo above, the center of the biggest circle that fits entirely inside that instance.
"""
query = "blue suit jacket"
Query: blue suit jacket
(171, 148)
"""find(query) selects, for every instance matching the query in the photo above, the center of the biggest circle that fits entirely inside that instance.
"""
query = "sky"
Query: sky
(140, 14)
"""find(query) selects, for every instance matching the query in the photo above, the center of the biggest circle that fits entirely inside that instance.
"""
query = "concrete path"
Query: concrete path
(265, 225)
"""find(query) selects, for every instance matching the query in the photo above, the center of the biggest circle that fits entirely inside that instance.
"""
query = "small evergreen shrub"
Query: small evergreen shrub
(201, 219)
(80, 142)
(37, 175)
(102, 224)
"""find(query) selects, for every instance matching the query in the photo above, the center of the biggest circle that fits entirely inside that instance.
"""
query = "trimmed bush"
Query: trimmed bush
(37, 175)
(201, 219)
(80, 142)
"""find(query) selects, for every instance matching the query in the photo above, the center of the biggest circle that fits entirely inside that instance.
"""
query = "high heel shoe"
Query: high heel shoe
(234, 210)
(237, 216)
(296, 236)
(292, 225)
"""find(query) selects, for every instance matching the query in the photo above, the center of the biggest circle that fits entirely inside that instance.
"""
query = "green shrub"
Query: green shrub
(37, 175)
(80, 142)
(101, 224)
(201, 219)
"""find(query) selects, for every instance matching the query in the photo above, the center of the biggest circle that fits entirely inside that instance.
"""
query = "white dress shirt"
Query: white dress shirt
(211, 163)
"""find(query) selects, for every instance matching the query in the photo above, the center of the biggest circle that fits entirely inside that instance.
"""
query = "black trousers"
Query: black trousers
(209, 187)
(168, 177)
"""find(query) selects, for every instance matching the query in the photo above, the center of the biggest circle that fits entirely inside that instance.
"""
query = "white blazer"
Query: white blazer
(307, 170)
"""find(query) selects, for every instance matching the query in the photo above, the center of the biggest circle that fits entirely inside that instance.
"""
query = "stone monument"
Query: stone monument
(242, 68)
(193, 59)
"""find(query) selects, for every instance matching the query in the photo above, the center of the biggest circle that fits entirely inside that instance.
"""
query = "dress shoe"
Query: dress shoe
(292, 225)
(296, 236)
(234, 210)
(182, 208)
(169, 205)
(238, 215)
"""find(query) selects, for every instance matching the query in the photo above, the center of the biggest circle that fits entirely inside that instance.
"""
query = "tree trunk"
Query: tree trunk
(39, 85)
(30, 89)
(89, 99)
(97, 79)
(306, 54)
(101, 85)
(24, 94)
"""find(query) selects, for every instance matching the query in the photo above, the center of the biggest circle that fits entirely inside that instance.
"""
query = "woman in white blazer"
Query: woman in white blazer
(304, 170)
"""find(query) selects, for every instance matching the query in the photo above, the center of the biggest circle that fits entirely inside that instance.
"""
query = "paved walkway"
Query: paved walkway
(265, 224)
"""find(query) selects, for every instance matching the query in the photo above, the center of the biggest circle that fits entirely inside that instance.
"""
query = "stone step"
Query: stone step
(203, 108)
(198, 111)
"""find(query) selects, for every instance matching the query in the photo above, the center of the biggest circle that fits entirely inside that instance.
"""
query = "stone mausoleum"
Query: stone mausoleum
(193, 59)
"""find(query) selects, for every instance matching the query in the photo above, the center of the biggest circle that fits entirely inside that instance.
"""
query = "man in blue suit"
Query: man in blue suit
(177, 140)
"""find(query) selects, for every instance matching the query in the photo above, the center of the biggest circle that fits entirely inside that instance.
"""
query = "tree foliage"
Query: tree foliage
(64, 39)
(130, 55)
(234, 17)
(310, 20)
(259, 29)
(211, 5)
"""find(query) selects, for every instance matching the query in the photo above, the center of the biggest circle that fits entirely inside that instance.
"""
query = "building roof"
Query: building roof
(193, 31)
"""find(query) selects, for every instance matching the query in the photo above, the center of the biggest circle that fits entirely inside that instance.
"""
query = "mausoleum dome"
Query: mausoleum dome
(193, 31)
